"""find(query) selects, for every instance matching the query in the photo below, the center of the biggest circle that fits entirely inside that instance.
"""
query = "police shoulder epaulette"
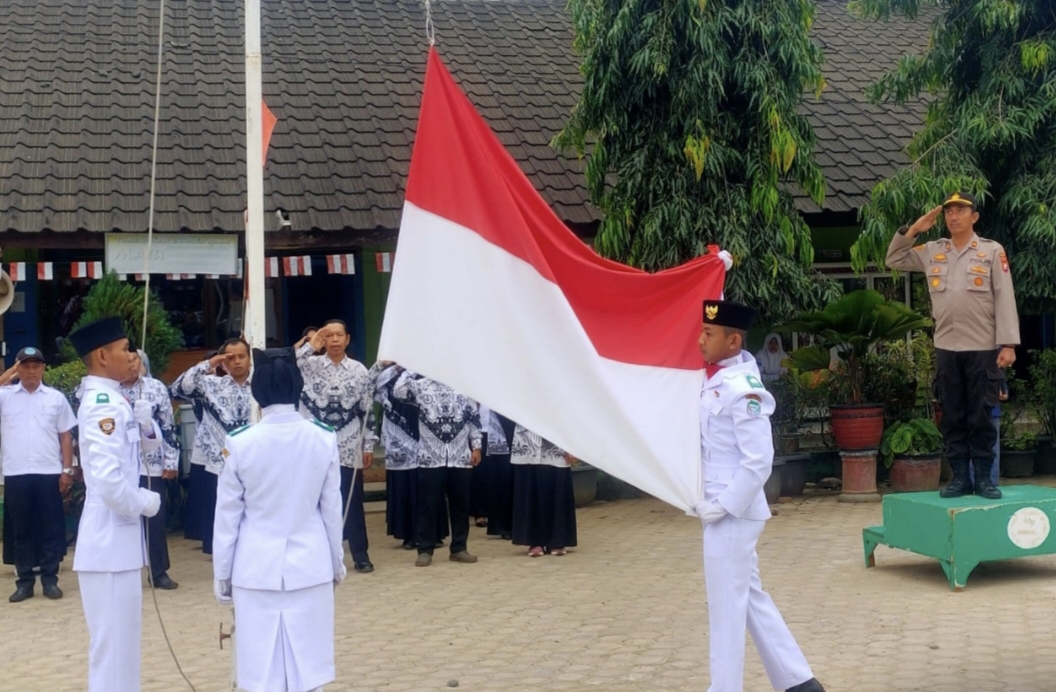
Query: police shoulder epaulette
(322, 425)
(237, 431)
(754, 382)
(102, 398)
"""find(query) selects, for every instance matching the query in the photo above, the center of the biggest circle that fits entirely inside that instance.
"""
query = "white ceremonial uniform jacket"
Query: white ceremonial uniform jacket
(737, 448)
(110, 535)
(342, 396)
(278, 504)
(225, 406)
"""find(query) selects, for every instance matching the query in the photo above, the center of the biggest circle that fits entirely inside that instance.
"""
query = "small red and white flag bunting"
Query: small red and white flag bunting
(383, 260)
(45, 271)
(271, 267)
(17, 271)
(86, 270)
(297, 266)
(178, 277)
(341, 264)
(136, 277)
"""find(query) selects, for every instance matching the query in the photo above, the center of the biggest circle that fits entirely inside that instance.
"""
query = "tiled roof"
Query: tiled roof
(344, 78)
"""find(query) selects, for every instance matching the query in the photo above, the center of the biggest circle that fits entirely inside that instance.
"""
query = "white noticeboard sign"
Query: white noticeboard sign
(172, 254)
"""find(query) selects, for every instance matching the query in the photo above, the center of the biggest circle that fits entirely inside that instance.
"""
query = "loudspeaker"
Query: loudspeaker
(7, 292)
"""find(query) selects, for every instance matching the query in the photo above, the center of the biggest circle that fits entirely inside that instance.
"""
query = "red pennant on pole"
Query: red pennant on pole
(268, 121)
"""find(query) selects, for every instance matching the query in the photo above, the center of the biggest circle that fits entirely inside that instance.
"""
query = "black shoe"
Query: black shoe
(983, 486)
(507, 536)
(364, 567)
(960, 485)
(408, 545)
(163, 581)
(21, 594)
(52, 591)
(811, 685)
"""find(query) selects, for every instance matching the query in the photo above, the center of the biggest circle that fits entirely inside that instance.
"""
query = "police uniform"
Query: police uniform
(974, 308)
(110, 550)
(737, 456)
(277, 536)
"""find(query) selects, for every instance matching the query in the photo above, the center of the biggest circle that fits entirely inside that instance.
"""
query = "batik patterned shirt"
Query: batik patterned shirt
(399, 422)
(225, 407)
(342, 396)
(448, 423)
(531, 448)
(167, 456)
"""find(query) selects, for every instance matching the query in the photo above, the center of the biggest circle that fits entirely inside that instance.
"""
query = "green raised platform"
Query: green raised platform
(962, 532)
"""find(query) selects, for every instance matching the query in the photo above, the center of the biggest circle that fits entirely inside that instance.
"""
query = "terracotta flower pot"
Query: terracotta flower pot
(915, 474)
(857, 428)
(859, 476)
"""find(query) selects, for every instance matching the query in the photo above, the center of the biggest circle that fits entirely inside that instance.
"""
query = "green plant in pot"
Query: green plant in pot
(1043, 405)
(1018, 448)
(911, 449)
(853, 325)
(790, 394)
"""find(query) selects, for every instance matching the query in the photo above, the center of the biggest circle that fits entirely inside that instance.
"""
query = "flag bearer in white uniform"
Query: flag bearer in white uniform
(110, 551)
(277, 549)
(737, 455)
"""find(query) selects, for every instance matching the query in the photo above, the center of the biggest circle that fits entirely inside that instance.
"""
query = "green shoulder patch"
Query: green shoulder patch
(236, 431)
(102, 398)
(322, 425)
(754, 382)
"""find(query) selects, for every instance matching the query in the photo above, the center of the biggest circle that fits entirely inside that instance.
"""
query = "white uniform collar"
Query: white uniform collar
(102, 382)
(279, 413)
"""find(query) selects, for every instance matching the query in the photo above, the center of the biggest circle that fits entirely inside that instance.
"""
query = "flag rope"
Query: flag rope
(430, 30)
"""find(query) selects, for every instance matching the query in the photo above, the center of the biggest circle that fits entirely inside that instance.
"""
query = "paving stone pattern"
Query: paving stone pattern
(624, 611)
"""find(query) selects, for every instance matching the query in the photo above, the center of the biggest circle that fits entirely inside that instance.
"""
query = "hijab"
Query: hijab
(770, 362)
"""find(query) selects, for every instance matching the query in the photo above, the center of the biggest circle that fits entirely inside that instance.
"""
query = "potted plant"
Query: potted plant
(911, 450)
(853, 326)
(1043, 403)
(1018, 449)
(789, 412)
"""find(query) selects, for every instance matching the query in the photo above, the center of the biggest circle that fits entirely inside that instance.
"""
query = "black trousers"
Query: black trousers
(33, 505)
(968, 383)
(157, 527)
(355, 529)
(433, 484)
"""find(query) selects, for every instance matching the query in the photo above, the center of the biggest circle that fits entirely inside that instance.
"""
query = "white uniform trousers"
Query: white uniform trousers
(112, 607)
(285, 639)
(736, 600)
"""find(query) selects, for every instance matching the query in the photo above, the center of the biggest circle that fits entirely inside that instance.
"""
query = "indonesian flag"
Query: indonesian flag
(84, 270)
(45, 271)
(496, 298)
(383, 262)
(297, 266)
(341, 264)
(268, 121)
(271, 267)
(17, 271)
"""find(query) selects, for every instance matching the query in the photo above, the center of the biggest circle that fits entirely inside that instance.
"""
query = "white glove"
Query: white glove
(340, 576)
(153, 505)
(144, 414)
(710, 511)
(727, 259)
(222, 591)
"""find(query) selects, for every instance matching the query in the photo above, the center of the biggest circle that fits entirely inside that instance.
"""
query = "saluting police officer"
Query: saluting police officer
(737, 456)
(110, 550)
(976, 332)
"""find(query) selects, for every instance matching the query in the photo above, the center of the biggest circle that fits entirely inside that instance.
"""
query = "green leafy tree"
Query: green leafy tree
(691, 112)
(990, 76)
(110, 297)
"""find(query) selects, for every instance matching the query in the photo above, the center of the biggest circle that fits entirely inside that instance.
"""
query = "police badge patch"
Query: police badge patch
(107, 425)
(755, 404)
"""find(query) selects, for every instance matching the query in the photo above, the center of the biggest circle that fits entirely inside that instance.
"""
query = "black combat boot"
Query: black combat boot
(811, 685)
(983, 486)
(960, 485)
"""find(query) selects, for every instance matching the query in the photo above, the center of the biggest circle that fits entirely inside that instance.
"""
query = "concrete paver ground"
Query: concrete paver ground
(624, 611)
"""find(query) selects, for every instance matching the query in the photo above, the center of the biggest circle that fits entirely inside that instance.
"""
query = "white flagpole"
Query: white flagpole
(255, 327)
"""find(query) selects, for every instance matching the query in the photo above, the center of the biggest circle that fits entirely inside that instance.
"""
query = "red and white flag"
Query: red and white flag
(17, 271)
(297, 266)
(341, 264)
(45, 271)
(180, 277)
(271, 267)
(86, 270)
(498, 299)
(383, 262)
(139, 277)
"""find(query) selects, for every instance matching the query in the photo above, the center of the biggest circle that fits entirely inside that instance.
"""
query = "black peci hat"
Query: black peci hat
(276, 377)
(723, 313)
(97, 334)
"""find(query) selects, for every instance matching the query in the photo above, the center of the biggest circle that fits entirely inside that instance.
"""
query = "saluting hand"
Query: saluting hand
(9, 374)
(319, 339)
(218, 360)
(924, 223)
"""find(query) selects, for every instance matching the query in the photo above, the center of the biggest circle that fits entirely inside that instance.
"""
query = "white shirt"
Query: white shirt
(30, 424)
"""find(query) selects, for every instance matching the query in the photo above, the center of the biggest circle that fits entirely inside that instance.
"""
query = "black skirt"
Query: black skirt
(544, 506)
(192, 519)
(500, 494)
(401, 506)
(479, 490)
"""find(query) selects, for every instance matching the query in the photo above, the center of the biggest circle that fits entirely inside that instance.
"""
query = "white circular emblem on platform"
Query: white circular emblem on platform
(1028, 528)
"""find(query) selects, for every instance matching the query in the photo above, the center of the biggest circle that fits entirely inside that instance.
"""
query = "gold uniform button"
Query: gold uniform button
(935, 282)
(978, 281)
